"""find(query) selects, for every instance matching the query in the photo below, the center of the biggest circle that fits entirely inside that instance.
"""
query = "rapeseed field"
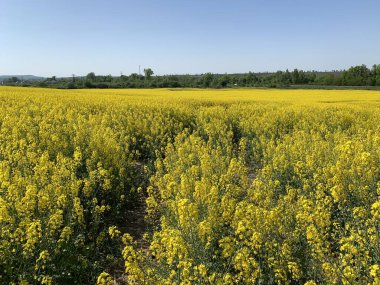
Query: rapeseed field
(237, 186)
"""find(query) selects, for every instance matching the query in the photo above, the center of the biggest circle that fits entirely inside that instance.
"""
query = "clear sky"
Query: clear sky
(64, 37)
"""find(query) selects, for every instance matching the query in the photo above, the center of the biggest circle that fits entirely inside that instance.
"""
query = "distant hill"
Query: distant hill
(22, 77)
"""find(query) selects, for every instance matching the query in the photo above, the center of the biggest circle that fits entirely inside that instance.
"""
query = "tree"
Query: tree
(224, 80)
(12, 80)
(207, 79)
(376, 74)
(295, 76)
(91, 76)
(287, 77)
(250, 78)
(148, 73)
(108, 78)
(356, 75)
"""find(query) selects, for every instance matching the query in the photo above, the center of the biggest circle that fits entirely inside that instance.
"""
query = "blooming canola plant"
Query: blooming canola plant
(240, 186)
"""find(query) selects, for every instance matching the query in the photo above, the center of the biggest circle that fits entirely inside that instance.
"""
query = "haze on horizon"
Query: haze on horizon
(61, 38)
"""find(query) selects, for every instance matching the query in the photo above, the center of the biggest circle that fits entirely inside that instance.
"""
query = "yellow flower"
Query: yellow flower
(104, 279)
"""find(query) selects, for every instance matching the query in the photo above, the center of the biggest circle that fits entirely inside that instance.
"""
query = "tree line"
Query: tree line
(360, 75)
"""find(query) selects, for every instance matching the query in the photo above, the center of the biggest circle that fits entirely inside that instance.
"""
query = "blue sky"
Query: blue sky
(51, 37)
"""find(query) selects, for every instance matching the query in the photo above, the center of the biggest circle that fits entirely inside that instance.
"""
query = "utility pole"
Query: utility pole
(139, 70)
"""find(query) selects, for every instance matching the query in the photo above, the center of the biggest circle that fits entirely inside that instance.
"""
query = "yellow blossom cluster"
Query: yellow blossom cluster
(241, 186)
(266, 194)
(70, 166)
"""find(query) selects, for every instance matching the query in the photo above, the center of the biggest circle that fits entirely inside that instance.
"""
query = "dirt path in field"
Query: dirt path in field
(135, 223)
(136, 226)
